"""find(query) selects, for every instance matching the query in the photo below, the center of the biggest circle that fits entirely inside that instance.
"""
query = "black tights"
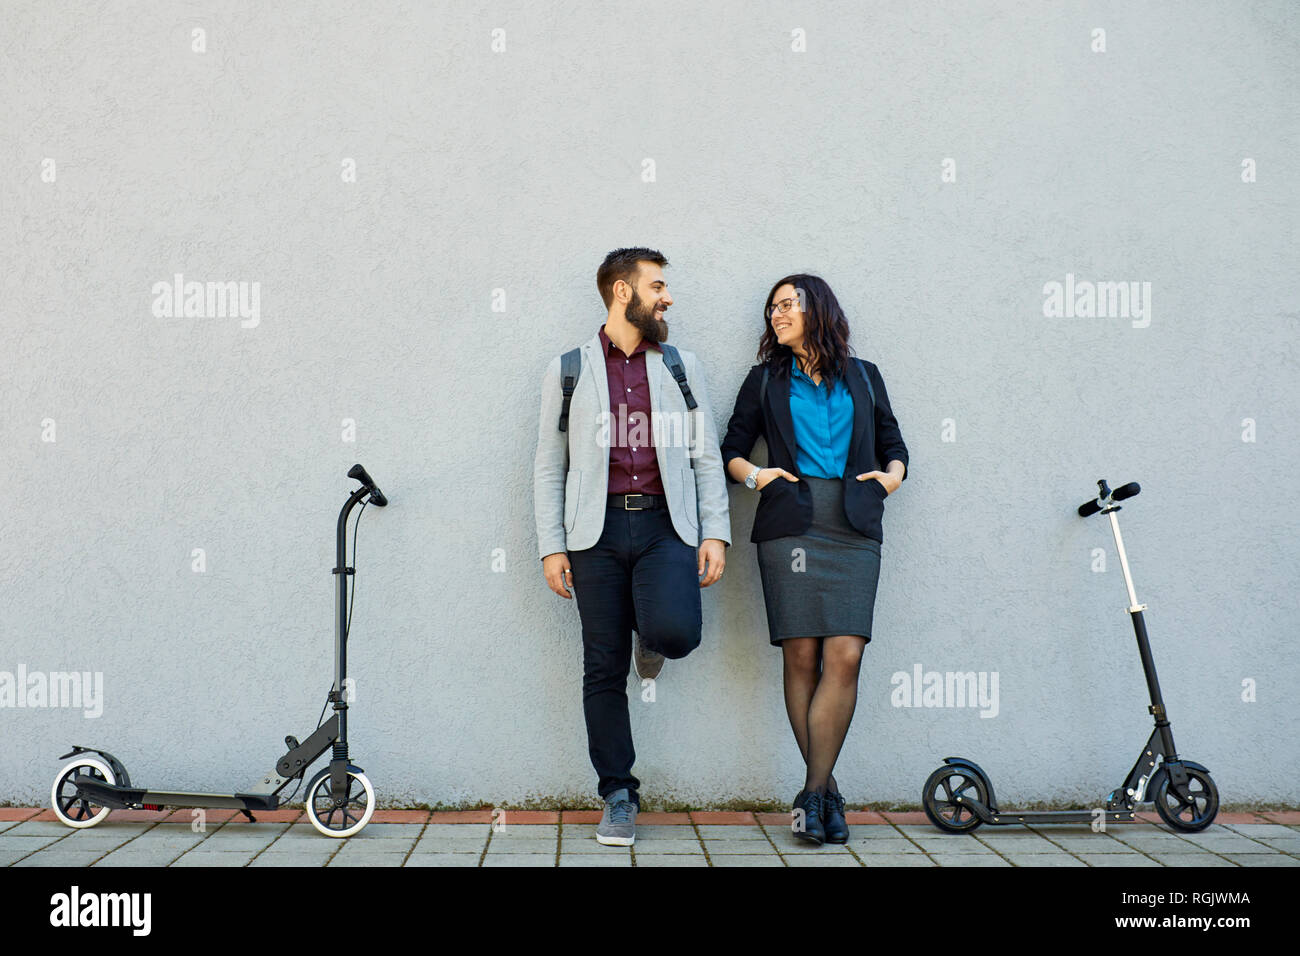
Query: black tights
(821, 692)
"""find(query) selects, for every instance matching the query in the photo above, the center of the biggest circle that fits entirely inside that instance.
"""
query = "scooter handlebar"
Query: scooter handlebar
(376, 496)
(1119, 494)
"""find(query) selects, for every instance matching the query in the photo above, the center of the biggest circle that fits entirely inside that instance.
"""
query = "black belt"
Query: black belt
(637, 502)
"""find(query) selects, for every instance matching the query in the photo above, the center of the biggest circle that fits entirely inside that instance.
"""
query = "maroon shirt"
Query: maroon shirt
(633, 464)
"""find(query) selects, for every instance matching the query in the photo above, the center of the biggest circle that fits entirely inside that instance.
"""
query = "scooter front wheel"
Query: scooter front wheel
(1191, 812)
(346, 817)
(69, 806)
(941, 798)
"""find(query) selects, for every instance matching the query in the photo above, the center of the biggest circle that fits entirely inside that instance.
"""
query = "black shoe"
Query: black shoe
(808, 825)
(836, 827)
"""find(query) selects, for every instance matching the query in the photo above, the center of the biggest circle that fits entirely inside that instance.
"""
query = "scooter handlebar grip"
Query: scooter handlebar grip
(1126, 491)
(377, 497)
(1089, 508)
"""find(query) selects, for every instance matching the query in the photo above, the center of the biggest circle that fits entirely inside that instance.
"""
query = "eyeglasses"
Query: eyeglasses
(783, 306)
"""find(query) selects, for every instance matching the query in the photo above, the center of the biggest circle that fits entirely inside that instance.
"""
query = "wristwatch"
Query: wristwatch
(751, 480)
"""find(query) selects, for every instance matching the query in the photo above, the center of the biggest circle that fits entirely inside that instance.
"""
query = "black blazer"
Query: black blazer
(785, 507)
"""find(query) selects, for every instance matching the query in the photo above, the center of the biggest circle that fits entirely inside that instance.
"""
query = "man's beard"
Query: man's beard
(642, 318)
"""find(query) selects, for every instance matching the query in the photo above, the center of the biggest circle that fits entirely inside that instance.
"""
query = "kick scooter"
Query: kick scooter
(339, 799)
(958, 797)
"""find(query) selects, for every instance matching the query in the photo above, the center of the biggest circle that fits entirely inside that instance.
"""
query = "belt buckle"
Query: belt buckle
(625, 504)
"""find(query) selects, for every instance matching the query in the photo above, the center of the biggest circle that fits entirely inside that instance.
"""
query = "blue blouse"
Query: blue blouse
(823, 423)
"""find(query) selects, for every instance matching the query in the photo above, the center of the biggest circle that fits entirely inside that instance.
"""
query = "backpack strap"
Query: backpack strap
(570, 370)
(762, 388)
(674, 362)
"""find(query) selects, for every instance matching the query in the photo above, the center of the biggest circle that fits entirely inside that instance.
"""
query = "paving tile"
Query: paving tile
(512, 847)
(1282, 844)
(594, 859)
(650, 847)
(949, 844)
(299, 857)
(768, 859)
(370, 851)
(788, 844)
(29, 843)
(59, 859)
(968, 859)
(368, 859)
(57, 829)
(438, 846)
(1226, 843)
(528, 833)
(139, 858)
(458, 829)
(1258, 830)
(1191, 859)
(880, 860)
(388, 831)
(1255, 859)
(215, 858)
(1116, 859)
(738, 847)
(1097, 843)
(1043, 859)
(665, 831)
(671, 859)
(837, 859)
(713, 831)
(898, 846)
(519, 859)
(442, 859)
(876, 832)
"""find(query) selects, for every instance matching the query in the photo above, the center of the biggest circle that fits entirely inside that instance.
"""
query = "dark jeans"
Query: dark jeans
(639, 576)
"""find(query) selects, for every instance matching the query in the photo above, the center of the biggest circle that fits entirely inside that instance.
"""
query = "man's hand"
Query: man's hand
(890, 482)
(713, 553)
(558, 573)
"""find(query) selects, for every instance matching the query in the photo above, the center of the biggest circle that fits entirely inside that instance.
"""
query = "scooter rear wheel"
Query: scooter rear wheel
(1196, 811)
(345, 820)
(940, 801)
(74, 811)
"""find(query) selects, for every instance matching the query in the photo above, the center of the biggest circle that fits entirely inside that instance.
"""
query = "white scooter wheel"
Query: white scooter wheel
(68, 807)
(341, 821)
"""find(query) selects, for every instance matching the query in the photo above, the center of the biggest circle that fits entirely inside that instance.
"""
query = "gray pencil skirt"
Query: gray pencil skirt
(822, 582)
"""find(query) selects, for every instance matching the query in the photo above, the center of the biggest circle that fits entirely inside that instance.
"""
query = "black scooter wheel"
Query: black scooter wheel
(940, 798)
(1192, 811)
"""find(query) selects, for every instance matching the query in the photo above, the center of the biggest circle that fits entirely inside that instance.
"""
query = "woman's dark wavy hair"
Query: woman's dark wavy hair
(826, 330)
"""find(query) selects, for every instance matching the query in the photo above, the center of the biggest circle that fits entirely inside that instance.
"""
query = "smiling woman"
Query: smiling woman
(828, 425)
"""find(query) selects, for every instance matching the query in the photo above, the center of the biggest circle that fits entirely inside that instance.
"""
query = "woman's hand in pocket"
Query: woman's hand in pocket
(771, 474)
(889, 482)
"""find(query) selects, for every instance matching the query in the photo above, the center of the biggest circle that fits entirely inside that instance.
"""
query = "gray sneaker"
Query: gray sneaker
(648, 663)
(618, 826)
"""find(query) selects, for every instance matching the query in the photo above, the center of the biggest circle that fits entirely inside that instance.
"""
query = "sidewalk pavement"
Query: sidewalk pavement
(30, 836)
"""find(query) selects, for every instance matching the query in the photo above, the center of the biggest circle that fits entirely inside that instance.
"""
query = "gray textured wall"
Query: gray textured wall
(132, 439)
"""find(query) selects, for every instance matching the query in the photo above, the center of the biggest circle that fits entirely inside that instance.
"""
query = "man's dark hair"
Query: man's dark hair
(622, 264)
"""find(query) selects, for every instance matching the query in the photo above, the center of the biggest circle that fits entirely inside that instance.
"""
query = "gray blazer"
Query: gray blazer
(571, 469)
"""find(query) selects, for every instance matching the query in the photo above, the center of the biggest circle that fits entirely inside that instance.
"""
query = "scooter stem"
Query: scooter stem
(1123, 562)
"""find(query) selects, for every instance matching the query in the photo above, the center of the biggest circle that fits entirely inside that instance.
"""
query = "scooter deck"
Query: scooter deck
(122, 798)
